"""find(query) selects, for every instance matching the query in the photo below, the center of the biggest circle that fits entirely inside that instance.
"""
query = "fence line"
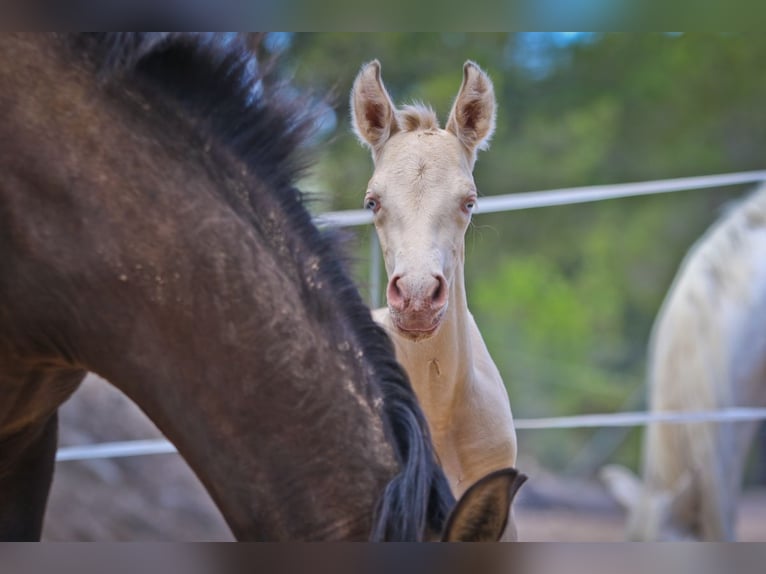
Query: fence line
(493, 204)
(549, 198)
(118, 449)
(629, 419)
(731, 415)
(567, 196)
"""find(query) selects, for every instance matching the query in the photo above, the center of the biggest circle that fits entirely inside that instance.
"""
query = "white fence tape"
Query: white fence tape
(115, 449)
(567, 196)
(161, 446)
(640, 418)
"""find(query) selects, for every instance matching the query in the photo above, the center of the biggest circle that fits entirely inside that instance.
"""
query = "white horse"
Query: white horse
(707, 351)
(422, 195)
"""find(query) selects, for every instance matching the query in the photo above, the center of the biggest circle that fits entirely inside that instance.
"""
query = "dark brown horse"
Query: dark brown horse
(150, 232)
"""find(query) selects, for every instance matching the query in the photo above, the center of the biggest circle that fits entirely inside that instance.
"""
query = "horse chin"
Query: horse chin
(417, 332)
(416, 335)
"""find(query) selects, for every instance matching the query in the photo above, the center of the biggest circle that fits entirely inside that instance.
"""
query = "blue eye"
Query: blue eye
(469, 205)
(372, 204)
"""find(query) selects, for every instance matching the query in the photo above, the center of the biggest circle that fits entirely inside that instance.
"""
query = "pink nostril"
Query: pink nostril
(394, 294)
(439, 293)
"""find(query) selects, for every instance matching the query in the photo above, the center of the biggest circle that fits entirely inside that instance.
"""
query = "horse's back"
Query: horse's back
(711, 324)
(707, 352)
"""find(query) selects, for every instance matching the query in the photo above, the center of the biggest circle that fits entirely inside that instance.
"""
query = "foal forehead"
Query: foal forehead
(423, 158)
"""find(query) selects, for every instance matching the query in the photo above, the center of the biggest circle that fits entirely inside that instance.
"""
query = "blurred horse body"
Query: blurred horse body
(707, 352)
(150, 232)
(422, 195)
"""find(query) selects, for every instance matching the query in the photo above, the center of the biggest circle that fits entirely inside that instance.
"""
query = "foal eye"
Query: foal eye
(372, 204)
(469, 205)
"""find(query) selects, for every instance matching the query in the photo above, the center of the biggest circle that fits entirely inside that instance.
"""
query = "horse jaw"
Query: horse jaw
(417, 324)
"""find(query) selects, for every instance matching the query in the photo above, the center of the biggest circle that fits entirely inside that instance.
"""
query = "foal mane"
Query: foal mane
(417, 116)
(216, 79)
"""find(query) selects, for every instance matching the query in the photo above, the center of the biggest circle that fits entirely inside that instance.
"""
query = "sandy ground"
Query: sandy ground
(158, 498)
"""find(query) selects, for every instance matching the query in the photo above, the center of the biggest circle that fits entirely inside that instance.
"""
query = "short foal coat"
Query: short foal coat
(422, 194)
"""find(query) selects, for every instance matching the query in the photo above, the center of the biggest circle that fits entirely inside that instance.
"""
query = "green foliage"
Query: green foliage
(565, 296)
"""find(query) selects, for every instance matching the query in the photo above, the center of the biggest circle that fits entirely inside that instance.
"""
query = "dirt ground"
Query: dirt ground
(157, 498)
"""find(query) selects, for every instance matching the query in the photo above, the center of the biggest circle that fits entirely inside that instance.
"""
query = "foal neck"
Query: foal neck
(439, 365)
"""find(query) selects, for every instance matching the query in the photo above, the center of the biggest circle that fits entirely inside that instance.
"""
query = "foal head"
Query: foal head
(422, 191)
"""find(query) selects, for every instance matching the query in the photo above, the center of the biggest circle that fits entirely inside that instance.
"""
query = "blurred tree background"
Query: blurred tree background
(564, 296)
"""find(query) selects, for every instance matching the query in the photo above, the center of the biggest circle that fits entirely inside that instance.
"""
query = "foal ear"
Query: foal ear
(481, 514)
(472, 118)
(373, 115)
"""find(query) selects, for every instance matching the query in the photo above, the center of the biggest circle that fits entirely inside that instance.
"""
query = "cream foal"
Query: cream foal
(422, 195)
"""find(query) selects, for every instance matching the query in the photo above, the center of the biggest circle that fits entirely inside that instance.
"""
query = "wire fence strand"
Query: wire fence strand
(731, 415)
(568, 196)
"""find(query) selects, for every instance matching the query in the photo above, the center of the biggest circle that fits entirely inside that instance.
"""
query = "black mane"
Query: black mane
(216, 79)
